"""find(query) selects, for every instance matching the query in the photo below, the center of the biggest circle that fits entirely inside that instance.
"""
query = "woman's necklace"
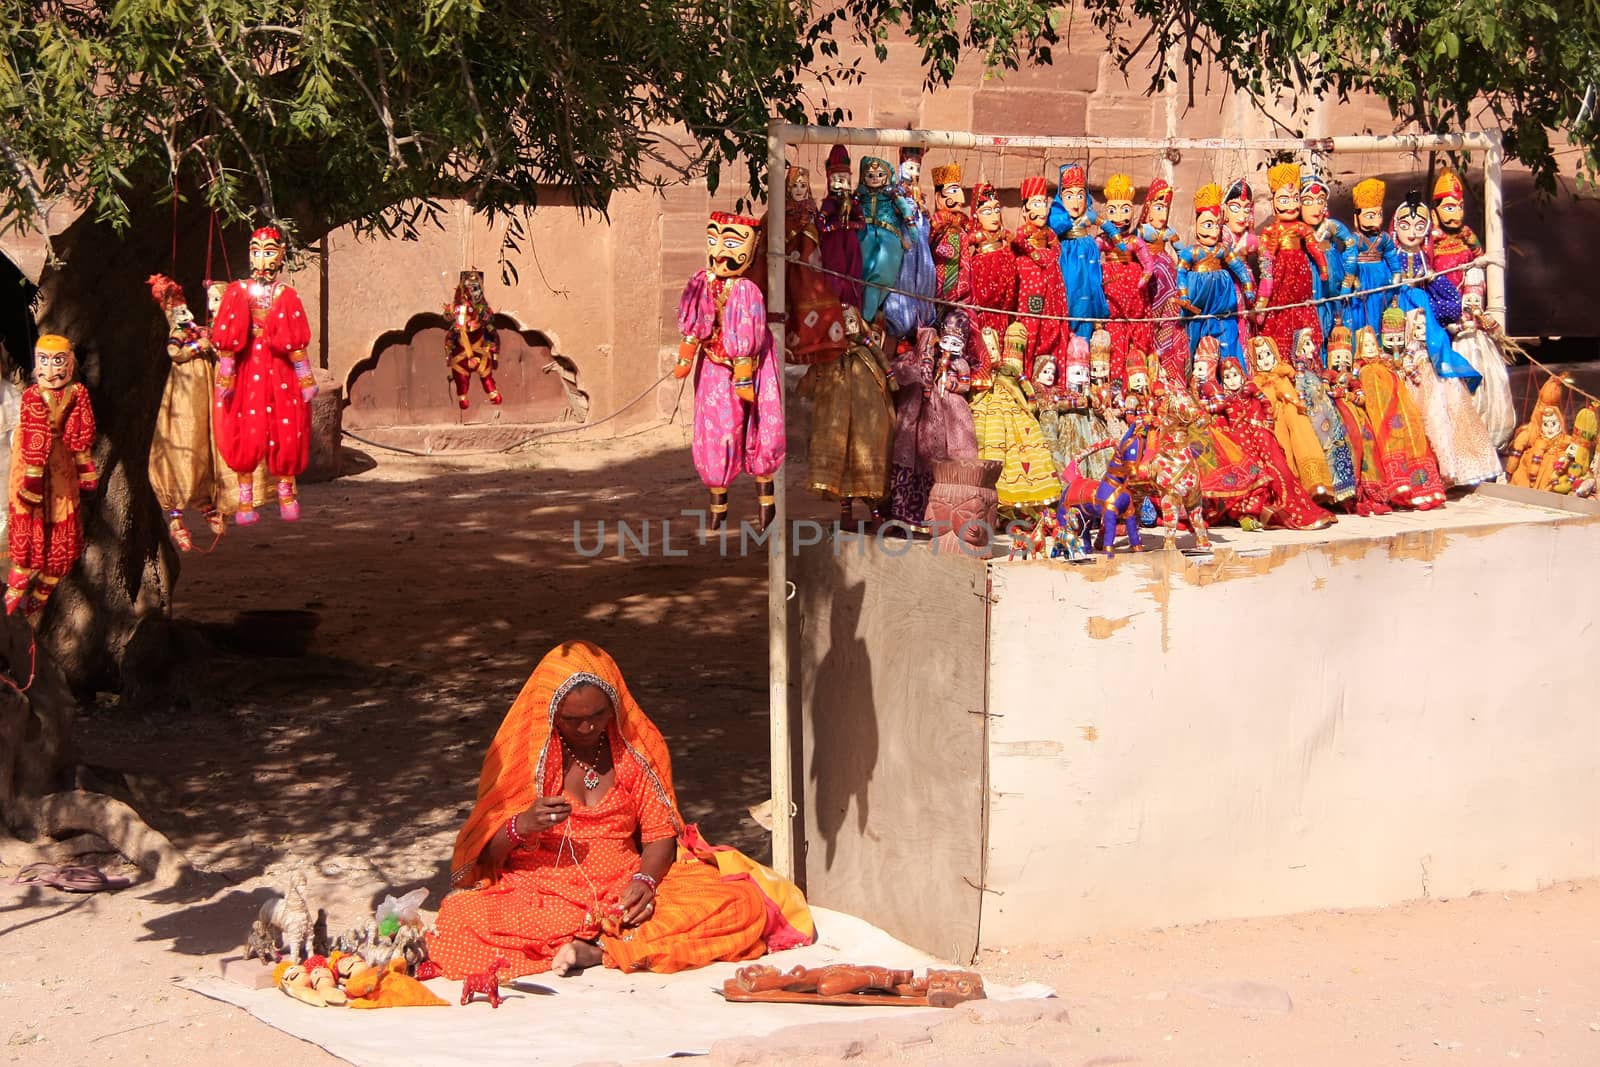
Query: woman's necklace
(591, 777)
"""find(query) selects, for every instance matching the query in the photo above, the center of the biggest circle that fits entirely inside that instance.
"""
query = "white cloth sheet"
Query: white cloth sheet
(545, 1021)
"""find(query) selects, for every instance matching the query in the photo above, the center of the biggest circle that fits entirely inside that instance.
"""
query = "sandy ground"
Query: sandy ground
(439, 582)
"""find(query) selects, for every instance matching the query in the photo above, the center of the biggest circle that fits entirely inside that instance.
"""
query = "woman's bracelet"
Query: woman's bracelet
(647, 880)
(517, 840)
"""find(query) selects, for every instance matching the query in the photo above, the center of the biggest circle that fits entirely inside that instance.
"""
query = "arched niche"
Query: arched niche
(404, 381)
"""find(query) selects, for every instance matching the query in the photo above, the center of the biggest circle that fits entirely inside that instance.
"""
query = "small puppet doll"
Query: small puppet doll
(264, 380)
(472, 344)
(1343, 452)
(1008, 432)
(1122, 281)
(1239, 224)
(852, 422)
(1539, 451)
(885, 237)
(950, 235)
(1452, 244)
(839, 225)
(1155, 245)
(1372, 257)
(993, 274)
(1292, 265)
(1213, 280)
(186, 470)
(1437, 298)
(1334, 239)
(738, 410)
(1073, 218)
(1295, 433)
(1344, 390)
(816, 317)
(1041, 293)
(1455, 429)
(1476, 337)
(1407, 466)
(933, 422)
(911, 307)
(51, 469)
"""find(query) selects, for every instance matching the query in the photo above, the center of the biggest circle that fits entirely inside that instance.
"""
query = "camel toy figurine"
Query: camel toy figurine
(485, 982)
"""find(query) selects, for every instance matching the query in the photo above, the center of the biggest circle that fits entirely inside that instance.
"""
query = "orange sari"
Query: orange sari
(713, 904)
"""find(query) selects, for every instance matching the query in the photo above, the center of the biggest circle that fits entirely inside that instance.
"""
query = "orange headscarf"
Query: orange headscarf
(513, 771)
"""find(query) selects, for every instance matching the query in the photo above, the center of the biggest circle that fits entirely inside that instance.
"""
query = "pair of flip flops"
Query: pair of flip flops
(69, 878)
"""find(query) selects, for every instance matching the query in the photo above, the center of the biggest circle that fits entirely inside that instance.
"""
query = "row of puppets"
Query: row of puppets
(234, 427)
(1090, 362)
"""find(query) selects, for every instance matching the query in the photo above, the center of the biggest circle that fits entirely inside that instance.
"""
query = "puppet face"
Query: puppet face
(53, 369)
(1207, 230)
(1550, 424)
(799, 190)
(911, 172)
(1313, 208)
(1367, 345)
(1044, 372)
(1417, 325)
(1119, 212)
(1232, 377)
(1157, 212)
(988, 216)
(951, 342)
(1340, 359)
(729, 248)
(1393, 341)
(1078, 375)
(1241, 215)
(1099, 366)
(1369, 220)
(1450, 213)
(1266, 358)
(1076, 202)
(852, 321)
(1410, 228)
(1202, 369)
(839, 183)
(1305, 347)
(1472, 300)
(1036, 209)
(1138, 380)
(1286, 204)
(266, 257)
(875, 176)
(180, 318)
(952, 197)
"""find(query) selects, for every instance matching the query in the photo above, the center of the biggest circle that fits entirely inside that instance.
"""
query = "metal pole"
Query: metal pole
(1494, 230)
(780, 741)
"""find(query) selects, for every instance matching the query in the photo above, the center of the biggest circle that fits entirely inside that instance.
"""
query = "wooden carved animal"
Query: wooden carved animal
(293, 918)
(262, 944)
(1114, 498)
(485, 982)
(1170, 474)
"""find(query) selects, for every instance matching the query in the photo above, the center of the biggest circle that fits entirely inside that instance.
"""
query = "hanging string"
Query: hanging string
(174, 269)
(33, 650)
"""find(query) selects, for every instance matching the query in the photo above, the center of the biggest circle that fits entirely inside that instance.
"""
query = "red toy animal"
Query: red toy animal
(486, 982)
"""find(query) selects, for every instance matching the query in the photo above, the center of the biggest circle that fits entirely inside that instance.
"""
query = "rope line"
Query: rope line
(794, 260)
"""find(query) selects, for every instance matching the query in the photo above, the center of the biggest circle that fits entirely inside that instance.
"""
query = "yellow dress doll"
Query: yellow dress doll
(1008, 432)
(1291, 425)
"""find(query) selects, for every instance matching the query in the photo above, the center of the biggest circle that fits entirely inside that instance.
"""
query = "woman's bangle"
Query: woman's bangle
(517, 840)
(647, 880)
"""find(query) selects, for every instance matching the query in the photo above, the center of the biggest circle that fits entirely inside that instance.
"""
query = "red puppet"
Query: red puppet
(1041, 293)
(471, 344)
(992, 270)
(50, 469)
(264, 380)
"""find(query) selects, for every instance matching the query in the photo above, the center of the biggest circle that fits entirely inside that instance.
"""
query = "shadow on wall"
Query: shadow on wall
(17, 329)
(405, 382)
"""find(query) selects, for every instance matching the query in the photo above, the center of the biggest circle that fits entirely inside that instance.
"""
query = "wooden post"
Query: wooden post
(779, 739)
(1494, 230)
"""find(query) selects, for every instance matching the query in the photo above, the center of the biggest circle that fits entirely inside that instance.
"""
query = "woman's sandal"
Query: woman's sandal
(69, 878)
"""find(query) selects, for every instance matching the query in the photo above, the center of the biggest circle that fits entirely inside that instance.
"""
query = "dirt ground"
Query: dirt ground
(438, 583)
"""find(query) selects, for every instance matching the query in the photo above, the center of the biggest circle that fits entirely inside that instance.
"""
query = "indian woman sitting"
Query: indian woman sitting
(576, 854)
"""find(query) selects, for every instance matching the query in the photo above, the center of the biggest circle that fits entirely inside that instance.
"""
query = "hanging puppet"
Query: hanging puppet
(1296, 435)
(1213, 281)
(1344, 390)
(1007, 430)
(1041, 294)
(1455, 429)
(911, 307)
(186, 469)
(1156, 245)
(1075, 427)
(852, 419)
(1291, 263)
(1334, 239)
(264, 380)
(1239, 224)
(839, 223)
(993, 274)
(51, 469)
(1452, 244)
(933, 422)
(471, 344)
(1122, 277)
(1476, 336)
(1343, 452)
(738, 410)
(815, 331)
(1376, 259)
(1410, 470)
(885, 235)
(1105, 404)
(1073, 218)
(1540, 450)
(1437, 298)
(950, 235)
